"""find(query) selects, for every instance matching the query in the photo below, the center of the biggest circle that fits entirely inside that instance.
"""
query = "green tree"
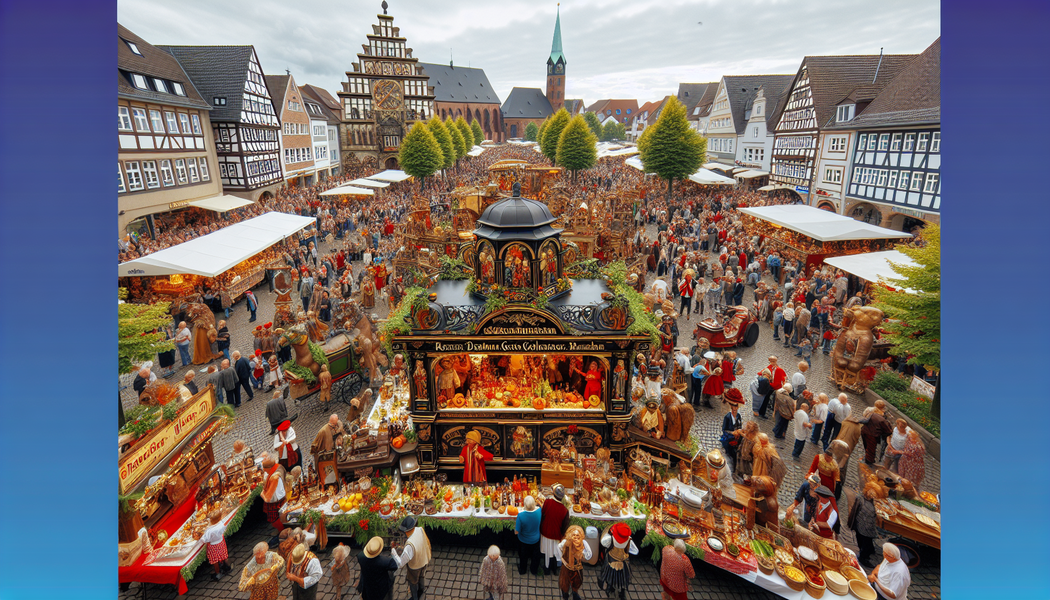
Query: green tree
(444, 139)
(621, 132)
(136, 324)
(466, 132)
(672, 149)
(914, 316)
(421, 155)
(609, 130)
(576, 148)
(531, 131)
(541, 132)
(592, 122)
(458, 143)
(552, 135)
(479, 135)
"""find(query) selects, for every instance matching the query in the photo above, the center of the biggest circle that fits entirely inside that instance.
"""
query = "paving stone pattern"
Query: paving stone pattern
(454, 572)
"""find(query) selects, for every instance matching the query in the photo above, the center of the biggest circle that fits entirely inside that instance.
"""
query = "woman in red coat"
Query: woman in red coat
(713, 385)
(473, 457)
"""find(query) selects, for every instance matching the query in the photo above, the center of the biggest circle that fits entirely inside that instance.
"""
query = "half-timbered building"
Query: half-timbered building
(819, 85)
(386, 93)
(166, 158)
(244, 121)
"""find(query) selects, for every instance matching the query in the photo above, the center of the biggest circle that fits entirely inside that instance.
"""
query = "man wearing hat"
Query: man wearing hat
(473, 457)
(554, 521)
(806, 497)
(651, 420)
(304, 571)
(376, 582)
(732, 423)
(616, 573)
(285, 445)
(416, 556)
(826, 514)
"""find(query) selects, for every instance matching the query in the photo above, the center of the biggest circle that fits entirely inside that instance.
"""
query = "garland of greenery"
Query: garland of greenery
(453, 269)
(398, 321)
(658, 541)
(636, 525)
(140, 420)
(235, 524)
(644, 320)
(496, 300)
(586, 268)
(541, 301)
(689, 446)
(616, 272)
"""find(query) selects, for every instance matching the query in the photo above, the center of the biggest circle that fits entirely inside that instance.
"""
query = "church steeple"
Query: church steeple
(556, 68)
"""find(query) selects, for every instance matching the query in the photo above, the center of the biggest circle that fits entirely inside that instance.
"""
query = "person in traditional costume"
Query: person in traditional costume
(260, 575)
(285, 446)
(375, 582)
(273, 498)
(324, 445)
(825, 466)
(415, 556)
(573, 552)
(651, 420)
(593, 377)
(619, 380)
(745, 457)
(713, 384)
(767, 461)
(473, 458)
(554, 521)
(325, 379)
(368, 293)
(340, 568)
(304, 571)
(315, 329)
(215, 538)
(616, 572)
(732, 423)
(680, 416)
(492, 577)
(826, 516)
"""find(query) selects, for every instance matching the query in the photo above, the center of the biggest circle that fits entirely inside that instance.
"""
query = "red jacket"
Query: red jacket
(554, 520)
(779, 377)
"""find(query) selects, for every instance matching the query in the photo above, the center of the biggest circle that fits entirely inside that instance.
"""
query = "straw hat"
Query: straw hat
(298, 554)
(474, 436)
(715, 460)
(374, 547)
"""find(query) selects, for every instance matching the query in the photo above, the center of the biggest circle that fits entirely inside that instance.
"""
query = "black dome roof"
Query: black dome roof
(516, 213)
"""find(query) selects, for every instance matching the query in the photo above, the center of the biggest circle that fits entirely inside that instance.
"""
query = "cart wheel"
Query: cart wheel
(751, 335)
(909, 553)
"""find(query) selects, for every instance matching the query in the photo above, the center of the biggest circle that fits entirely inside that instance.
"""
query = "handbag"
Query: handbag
(728, 439)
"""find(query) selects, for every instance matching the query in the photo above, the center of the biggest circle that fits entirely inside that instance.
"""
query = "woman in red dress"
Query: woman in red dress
(713, 385)
(594, 381)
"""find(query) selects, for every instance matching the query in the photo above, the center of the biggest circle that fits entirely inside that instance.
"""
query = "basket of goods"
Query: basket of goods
(733, 550)
(792, 576)
(852, 573)
(814, 582)
(431, 509)
(808, 556)
(836, 583)
(415, 507)
(765, 564)
(830, 557)
(784, 557)
(862, 590)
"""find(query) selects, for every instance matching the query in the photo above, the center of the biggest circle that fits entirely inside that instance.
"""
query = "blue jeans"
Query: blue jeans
(831, 429)
(226, 353)
(780, 427)
(788, 325)
(816, 432)
(184, 353)
(799, 445)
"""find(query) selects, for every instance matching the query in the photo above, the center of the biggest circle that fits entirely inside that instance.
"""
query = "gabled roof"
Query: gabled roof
(154, 62)
(741, 90)
(913, 97)
(832, 78)
(654, 113)
(309, 95)
(216, 71)
(556, 50)
(459, 84)
(278, 86)
(704, 104)
(691, 94)
(601, 106)
(321, 95)
(526, 103)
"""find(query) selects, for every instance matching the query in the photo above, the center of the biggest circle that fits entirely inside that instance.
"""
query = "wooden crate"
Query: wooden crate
(566, 477)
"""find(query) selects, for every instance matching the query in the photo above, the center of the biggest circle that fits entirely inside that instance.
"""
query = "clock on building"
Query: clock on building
(558, 68)
(387, 95)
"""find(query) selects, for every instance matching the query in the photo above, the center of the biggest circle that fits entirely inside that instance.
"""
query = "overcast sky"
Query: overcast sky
(638, 49)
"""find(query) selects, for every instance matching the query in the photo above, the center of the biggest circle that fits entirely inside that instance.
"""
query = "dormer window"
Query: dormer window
(219, 101)
(159, 84)
(132, 47)
(178, 88)
(139, 81)
(844, 113)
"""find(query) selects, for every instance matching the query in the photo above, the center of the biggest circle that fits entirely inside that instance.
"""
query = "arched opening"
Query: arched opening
(867, 213)
(477, 115)
(391, 163)
(826, 205)
(486, 120)
(906, 223)
(444, 115)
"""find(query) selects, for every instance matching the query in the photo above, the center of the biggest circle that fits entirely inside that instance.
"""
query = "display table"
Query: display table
(178, 569)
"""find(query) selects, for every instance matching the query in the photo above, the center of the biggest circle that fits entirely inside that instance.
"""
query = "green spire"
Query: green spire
(556, 45)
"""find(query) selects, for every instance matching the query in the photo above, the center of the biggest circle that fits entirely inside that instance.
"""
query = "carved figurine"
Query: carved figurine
(854, 343)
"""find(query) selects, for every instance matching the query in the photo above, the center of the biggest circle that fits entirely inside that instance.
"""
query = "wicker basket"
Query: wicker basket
(814, 590)
(765, 564)
(830, 557)
(798, 586)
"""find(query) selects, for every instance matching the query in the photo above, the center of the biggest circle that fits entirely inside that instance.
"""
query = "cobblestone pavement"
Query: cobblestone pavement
(252, 427)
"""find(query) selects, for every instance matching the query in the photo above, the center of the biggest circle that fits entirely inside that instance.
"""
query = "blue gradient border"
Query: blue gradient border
(57, 247)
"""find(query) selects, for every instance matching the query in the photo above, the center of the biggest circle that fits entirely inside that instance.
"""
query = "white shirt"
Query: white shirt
(683, 361)
(660, 289)
(898, 439)
(214, 534)
(801, 418)
(607, 541)
(789, 313)
(798, 380)
(408, 554)
(895, 576)
(820, 411)
(842, 411)
(313, 573)
(586, 550)
(832, 517)
(289, 438)
(183, 336)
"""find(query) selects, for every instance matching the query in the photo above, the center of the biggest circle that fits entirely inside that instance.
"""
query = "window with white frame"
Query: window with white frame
(916, 182)
(884, 142)
(134, 177)
(157, 120)
(844, 113)
(319, 130)
(191, 164)
(872, 141)
(158, 84)
(132, 46)
(755, 132)
(180, 171)
(149, 171)
(935, 142)
(893, 180)
(178, 88)
(837, 144)
(905, 178)
(293, 105)
(184, 120)
(924, 140)
(895, 143)
(141, 122)
(123, 119)
(832, 175)
(196, 124)
(909, 141)
(862, 141)
(204, 169)
(139, 81)
(931, 182)
(856, 174)
(219, 101)
(881, 181)
(173, 124)
(120, 179)
(165, 173)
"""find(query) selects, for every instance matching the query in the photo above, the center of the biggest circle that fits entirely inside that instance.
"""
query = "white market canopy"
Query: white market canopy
(220, 203)
(348, 190)
(369, 183)
(215, 253)
(714, 165)
(636, 162)
(775, 186)
(476, 151)
(707, 177)
(872, 266)
(821, 225)
(393, 175)
(751, 174)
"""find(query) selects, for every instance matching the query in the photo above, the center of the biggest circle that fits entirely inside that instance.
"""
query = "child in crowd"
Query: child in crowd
(215, 538)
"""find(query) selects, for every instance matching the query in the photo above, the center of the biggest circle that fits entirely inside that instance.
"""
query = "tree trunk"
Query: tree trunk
(935, 404)
(670, 183)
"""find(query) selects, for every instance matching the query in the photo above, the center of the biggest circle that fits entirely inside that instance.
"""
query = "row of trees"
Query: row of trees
(436, 145)
(613, 130)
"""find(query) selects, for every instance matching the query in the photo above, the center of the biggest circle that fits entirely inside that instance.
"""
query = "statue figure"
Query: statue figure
(680, 416)
(854, 343)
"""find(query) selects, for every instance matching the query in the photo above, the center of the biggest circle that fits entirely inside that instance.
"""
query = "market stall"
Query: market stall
(873, 267)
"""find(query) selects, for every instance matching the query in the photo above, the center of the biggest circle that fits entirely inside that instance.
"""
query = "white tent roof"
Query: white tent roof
(706, 177)
(820, 224)
(872, 266)
(212, 254)
(636, 162)
(348, 190)
(220, 203)
(476, 151)
(751, 174)
(714, 165)
(775, 186)
(391, 175)
(369, 183)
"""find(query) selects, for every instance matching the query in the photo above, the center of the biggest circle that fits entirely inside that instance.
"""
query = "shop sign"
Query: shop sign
(801, 190)
(179, 204)
(474, 346)
(921, 387)
(148, 452)
(520, 323)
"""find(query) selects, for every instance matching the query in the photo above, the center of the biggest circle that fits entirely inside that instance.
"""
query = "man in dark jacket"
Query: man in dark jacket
(141, 381)
(376, 582)
(277, 411)
(243, 368)
(228, 381)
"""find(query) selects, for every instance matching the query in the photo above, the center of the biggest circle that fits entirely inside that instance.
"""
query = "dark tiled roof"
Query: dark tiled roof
(278, 86)
(321, 95)
(459, 84)
(915, 116)
(526, 103)
(217, 71)
(741, 90)
(691, 94)
(832, 78)
(916, 88)
(154, 62)
(308, 95)
(704, 103)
